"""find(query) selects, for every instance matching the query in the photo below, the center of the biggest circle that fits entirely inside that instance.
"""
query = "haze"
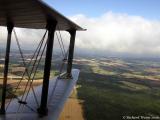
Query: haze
(109, 33)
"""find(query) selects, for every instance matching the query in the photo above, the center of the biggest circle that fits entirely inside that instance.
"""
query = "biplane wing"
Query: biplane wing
(35, 14)
(32, 14)
(56, 101)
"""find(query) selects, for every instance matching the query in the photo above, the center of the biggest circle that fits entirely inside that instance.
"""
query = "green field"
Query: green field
(116, 88)
(112, 88)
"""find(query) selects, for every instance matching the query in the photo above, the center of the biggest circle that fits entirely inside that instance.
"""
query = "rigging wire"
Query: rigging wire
(27, 68)
(25, 104)
(35, 71)
(61, 39)
(61, 66)
(64, 53)
(37, 49)
(32, 69)
(21, 53)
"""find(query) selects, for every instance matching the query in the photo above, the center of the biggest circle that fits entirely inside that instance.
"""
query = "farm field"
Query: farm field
(113, 88)
(73, 108)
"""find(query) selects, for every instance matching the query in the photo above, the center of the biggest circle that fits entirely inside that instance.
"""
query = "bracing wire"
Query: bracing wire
(65, 55)
(25, 99)
(61, 40)
(24, 61)
(62, 51)
(32, 69)
(26, 70)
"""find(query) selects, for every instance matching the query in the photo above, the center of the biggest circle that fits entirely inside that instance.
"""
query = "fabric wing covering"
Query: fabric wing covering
(32, 14)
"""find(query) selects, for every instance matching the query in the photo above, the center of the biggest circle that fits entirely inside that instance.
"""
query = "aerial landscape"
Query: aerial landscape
(76, 60)
(118, 86)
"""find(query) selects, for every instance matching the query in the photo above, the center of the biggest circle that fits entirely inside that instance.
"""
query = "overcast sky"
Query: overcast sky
(127, 27)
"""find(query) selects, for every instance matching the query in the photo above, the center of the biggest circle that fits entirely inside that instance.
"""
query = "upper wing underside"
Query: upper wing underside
(32, 14)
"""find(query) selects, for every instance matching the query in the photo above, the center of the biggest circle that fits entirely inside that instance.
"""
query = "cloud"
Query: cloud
(111, 33)
(120, 34)
(29, 38)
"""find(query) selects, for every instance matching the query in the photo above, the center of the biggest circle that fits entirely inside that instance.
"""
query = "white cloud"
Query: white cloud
(29, 38)
(109, 33)
(119, 33)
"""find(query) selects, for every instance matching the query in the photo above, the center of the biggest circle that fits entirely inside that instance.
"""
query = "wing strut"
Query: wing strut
(71, 52)
(51, 26)
(10, 28)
